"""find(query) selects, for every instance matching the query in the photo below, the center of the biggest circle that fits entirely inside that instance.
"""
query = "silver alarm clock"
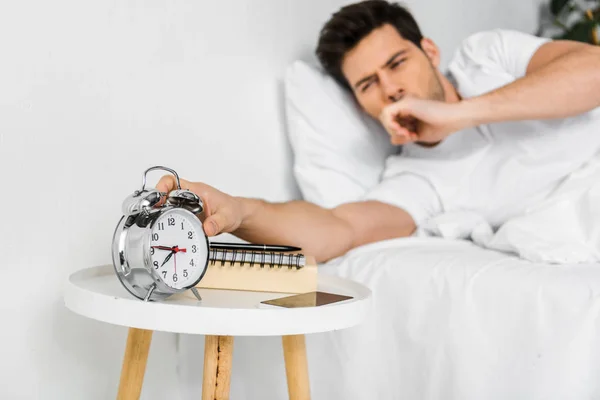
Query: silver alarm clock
(160, 248)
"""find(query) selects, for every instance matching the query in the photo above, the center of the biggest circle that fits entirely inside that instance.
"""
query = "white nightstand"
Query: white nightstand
(96, 293)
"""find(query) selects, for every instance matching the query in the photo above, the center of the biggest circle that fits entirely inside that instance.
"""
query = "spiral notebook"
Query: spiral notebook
(262, 271)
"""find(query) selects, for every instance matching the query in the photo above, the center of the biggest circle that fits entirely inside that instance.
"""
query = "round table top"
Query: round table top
(97, 293)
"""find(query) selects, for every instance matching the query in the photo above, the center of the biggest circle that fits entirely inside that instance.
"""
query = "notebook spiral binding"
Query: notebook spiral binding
(262, 258)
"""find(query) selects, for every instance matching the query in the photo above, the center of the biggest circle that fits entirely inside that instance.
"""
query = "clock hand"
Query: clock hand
(174, 248)
(163, 248)
(167, 258)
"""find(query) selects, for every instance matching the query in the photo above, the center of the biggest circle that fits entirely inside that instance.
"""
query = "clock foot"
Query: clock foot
(196, 293)
(150, 292)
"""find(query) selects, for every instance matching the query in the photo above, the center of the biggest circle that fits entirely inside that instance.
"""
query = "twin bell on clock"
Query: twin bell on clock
(159, 247)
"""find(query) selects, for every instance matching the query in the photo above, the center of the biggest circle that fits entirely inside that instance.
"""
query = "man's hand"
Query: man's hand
(427, 121)
(222, 212)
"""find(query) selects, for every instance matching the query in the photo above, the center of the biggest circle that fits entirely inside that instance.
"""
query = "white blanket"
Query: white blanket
(564, 228)
(449, 320)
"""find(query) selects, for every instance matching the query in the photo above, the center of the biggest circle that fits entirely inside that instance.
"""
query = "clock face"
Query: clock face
(178, 248)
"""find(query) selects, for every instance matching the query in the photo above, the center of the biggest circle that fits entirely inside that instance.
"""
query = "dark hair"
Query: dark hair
(352, 23)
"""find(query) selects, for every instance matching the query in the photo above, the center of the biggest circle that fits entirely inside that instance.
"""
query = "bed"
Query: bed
(449, 320)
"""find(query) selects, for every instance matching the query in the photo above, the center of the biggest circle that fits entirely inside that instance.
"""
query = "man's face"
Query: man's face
(384, 66)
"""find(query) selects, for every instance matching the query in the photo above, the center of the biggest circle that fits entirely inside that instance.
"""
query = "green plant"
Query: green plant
(578, 20)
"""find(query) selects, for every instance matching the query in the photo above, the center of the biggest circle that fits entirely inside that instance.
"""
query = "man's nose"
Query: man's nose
(396, 95)
(393, 92)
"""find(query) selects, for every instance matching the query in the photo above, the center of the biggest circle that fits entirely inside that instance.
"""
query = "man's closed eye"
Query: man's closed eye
(397, 63)
(366, 86)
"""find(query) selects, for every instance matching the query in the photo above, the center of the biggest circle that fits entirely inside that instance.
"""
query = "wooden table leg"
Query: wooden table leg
(218, 351)
(134, 364)
(296, 367)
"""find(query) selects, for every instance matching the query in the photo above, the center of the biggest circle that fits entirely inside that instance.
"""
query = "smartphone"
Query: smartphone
(310, 299)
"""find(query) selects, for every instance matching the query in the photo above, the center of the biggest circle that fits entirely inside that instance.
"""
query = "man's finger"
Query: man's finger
(166, 183)
(215, 224)
(399, 139)
(399, 130)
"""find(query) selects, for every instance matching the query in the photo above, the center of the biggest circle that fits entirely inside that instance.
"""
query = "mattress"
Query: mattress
(449, 320)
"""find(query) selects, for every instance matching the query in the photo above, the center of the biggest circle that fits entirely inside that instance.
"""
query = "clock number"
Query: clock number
(155, 237)
(155, 264)
(161, 226)
(164, 274)
(190, 234)
(194, 248)
(151, 251)
(174, 277)
(192, 262)
(182, 226)
(185, 274)
(171, 221)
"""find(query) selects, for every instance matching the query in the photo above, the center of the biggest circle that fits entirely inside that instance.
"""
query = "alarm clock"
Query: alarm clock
(159, 248)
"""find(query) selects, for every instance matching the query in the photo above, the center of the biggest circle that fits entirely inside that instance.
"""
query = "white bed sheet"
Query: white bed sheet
(449, 320)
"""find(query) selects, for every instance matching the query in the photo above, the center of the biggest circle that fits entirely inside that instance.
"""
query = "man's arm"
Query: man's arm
(562, 80)
(323, 233)
(320, 232)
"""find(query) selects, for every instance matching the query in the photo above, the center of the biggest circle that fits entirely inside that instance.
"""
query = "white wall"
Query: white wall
(91, 94)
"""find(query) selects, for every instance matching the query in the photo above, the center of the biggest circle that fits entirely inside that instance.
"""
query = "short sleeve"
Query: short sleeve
(410, 192)
(503, 50)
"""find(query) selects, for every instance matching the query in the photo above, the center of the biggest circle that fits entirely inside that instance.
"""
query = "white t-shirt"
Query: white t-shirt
(495, 170)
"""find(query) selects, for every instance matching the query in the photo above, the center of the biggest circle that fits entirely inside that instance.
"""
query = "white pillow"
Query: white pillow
(339, 151)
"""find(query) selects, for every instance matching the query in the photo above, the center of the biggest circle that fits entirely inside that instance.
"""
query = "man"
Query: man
(500, 131)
